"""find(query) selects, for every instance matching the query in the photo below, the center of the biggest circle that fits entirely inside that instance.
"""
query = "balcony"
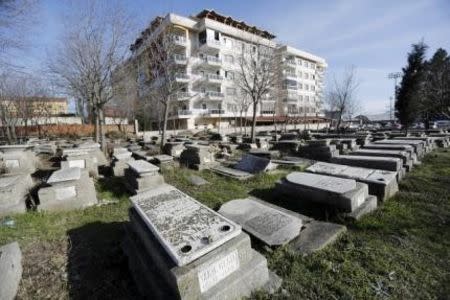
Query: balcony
(290, 97)
(215, 111)
(290, 87)
(209, 44)
(290, 76)
(182, 77)
(291, 62)
(181, 96)
(212, 95)
(211, 61)
(179, 40)
(180, 59)
(212, 78)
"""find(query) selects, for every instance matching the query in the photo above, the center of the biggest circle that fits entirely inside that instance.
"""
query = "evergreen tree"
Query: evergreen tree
(437, 85)
(411, 89)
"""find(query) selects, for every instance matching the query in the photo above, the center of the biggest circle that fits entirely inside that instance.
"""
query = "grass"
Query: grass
(401, 251)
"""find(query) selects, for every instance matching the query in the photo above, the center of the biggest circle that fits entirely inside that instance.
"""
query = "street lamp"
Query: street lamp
(395, 76)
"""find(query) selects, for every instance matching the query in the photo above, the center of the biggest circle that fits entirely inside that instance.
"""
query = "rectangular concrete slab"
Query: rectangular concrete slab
(63, 175)
(143, 167)
(10, 270)
(272, 226)
(186, 228)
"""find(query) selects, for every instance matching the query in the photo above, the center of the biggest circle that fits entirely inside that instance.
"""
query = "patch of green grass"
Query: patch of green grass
(400, 251)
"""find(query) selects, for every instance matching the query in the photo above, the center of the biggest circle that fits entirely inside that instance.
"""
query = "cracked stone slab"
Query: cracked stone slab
(272, 226)
(186, 228)
(143, 167)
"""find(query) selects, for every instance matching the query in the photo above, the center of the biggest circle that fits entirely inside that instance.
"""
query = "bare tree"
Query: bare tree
(93, 46)
(257, 75)
(342, 95)
(16, 18)
(163, 73)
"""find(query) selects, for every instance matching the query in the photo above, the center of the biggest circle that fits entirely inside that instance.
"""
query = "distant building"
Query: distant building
(209, 45)
(35, 106)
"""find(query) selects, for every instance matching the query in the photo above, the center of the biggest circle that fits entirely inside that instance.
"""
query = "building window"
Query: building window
(229, 75)
(203, 105)
(307, 98)
(313, 88)
(300, 86)
(216, 36)
(306, 76)
(202, 37)
(306, 87)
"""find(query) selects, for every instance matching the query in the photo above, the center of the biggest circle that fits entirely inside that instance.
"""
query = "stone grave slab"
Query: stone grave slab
(143, 168)
(231, 172)
(273, 227)
(10, 270)
(382, 163)
(163, 158)
(197, 180)
(14, 190)
(381, 183)
(14, 148)
(186, 228)
(62, 175)
(254, 164)
(344, 194)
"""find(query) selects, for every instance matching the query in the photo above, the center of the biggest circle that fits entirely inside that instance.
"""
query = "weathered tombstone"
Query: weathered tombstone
(174, 149)
(407, 148)
(70, 188)
(346, 195)
(382, 184)
(254, 164)
(274, 225)
(231, 172)
(142, 175)
(163, 159)
(93, 149)
(403, 155)
(419, 146)
(79, 158)
(18, 159)
(14, 190)
(197, 157)
(382, 163)
(119, 162)
(179, 248)
(10, 270)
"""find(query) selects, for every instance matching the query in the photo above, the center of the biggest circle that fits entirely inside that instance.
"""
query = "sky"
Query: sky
(374, 36)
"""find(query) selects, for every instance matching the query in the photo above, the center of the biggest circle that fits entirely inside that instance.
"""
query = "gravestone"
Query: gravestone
(174, 149)
(179, 248)
(79, 158)
(119, 162)
(254, 164)
(382, 163)
(407, 148)
(419, 146)
(10, 270)
(197, 157)
(142, 175)
(94, 150)
(14, 191)
(231, 172)
(403, 155)
(310, 237)
(18, 159)
(382, 184)
(346, 195)
(163, 159)
(70, 188)
(273, 227)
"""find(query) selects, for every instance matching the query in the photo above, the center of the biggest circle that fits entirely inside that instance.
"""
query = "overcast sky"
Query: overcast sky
(374, 36)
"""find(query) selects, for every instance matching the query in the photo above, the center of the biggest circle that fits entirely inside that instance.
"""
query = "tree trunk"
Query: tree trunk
(252, 134)
(102, 129)
(96, 125)
(163, 134)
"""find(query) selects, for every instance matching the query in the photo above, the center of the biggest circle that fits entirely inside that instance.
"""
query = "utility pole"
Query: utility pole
(395, 76)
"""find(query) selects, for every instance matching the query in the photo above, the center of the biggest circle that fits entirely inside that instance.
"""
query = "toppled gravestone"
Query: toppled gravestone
(405, 156)
(10, 270)
(142, 175)
(180, 249)
(14, 190)
(70, 188)
(246, 168)
(346, 195)
(173, 149)
(382, 184)
(276, 226)
(197, 180)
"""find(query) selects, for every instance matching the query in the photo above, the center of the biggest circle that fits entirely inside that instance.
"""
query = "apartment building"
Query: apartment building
(208, 49)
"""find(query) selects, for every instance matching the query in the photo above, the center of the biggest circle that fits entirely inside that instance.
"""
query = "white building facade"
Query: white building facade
(208, 48)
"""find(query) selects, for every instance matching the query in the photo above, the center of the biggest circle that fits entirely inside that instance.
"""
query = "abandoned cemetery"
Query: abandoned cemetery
(199, 157)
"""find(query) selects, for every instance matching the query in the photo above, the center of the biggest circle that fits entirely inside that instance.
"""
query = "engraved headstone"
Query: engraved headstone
(186, 228)
(273, 227)
(62, 175)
